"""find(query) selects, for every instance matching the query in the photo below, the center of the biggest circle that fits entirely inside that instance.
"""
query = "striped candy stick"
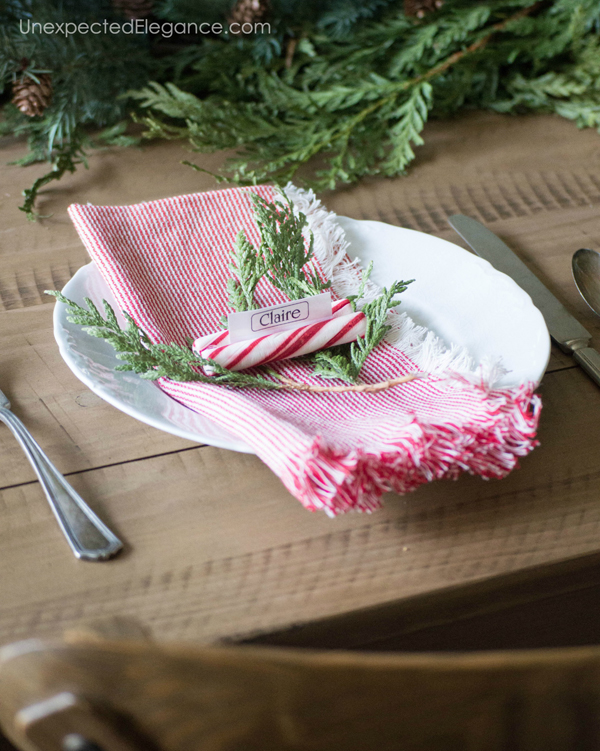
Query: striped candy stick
(288, 344)
(345, 326)
(338, 308)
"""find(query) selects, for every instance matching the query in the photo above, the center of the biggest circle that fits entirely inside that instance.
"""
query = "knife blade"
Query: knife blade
(564, 329)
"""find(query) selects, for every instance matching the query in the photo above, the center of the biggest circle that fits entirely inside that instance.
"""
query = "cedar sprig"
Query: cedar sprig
(360, 102)
(345, 362)
(347, 81)
(283, 248)
(152, 361)
(89, 74)
(248, 267)
(282, 256)
(65, 159)
(376, 313)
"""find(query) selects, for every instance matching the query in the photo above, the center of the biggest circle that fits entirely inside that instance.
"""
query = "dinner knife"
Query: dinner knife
(564, 329)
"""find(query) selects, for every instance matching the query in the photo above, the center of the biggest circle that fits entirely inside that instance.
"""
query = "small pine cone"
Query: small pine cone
(420, 8)
(133, 9)
(30, 97)
(248, 11)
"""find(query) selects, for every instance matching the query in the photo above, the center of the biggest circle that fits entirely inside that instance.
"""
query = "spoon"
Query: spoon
(586, 273)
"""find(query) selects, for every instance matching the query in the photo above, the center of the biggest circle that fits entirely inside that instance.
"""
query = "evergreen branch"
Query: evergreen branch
(356, 93)
(153, 361)
(248, 268)
(281, 257)
(283, 248)
(286, 123)
(66, 160)
(89, 74)
(360, 292)
(479, 44)
(376, 313)
(412, 116)
(149, 360)
(345, 361)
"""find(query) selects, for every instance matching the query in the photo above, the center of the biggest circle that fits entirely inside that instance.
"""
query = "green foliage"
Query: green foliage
(573, 92)
(153, 361)
(360, 100)
(66, 158)
(282, 249)
(345, 85)
(248, 269)
(89, 73)
(346, 361)
(281, 257)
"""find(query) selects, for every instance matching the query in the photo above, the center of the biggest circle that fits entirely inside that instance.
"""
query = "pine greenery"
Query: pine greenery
(153, 361)
(360, 101)
(281, 259)
(345, 361)
(89, 73)
(345, 85)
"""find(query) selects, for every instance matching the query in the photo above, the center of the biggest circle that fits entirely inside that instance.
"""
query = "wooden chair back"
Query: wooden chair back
(84, 694)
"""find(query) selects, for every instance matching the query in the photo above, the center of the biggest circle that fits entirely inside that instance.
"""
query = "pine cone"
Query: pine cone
(133, 9)
(421, 8)
(31, 97)
(248, 11)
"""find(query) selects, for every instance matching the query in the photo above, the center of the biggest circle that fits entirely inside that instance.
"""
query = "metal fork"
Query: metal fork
(88, 537)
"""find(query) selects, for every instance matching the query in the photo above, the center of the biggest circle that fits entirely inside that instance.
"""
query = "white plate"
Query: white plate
(459, 296)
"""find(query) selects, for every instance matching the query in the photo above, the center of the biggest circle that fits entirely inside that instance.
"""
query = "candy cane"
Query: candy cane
(283, 345)
(338, 308)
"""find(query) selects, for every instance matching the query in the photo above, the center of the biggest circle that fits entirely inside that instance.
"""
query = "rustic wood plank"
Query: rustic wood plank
(488, 196)
(76, 428)
(550, 605)
(217, 548)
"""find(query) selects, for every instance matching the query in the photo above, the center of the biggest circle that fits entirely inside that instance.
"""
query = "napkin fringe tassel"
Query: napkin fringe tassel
(337, 482)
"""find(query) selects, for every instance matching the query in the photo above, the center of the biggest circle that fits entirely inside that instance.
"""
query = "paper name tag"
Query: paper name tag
(251, 324)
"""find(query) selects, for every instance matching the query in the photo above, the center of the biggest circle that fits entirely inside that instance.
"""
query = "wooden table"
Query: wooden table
(216, 548)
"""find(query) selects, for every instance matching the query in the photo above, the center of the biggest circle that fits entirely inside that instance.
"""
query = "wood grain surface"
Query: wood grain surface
(216, 548)
(135, 696)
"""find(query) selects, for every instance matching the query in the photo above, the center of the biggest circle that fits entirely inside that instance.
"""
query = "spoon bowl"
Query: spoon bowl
(586, 273)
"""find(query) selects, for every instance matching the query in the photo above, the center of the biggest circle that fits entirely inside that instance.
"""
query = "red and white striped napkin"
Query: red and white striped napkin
(166, 263)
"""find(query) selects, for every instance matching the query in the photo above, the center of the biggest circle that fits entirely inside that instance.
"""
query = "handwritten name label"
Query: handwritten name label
(251, 324)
